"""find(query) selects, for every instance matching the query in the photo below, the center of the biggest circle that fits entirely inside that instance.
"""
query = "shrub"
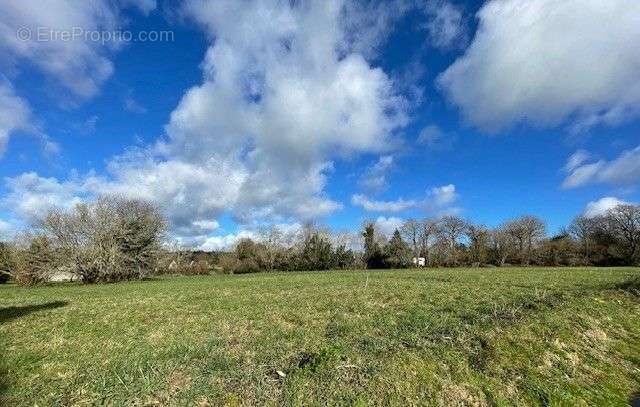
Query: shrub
(7, 263)
(112, 239)
(228, 263)
(34, 264)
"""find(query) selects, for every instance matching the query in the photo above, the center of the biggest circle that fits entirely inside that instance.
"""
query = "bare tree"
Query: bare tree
(410, 232)
(111, 239)
(427, 233)
(478, 243)
(583, 229)
(625, 224)
(451, 230)
(526, 231)
(502, 245)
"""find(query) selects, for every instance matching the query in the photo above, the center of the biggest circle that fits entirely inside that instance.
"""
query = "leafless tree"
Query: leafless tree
(478, 236)
(410, 232)
(111, 239)
(451, 230)
(502, 245)
(625, 224)
(526, 231)
(427, 233)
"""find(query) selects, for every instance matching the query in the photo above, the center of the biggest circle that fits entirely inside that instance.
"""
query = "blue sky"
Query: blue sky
(263, 112)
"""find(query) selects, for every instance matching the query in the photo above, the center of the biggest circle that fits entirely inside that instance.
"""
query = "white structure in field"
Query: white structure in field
(419, 261)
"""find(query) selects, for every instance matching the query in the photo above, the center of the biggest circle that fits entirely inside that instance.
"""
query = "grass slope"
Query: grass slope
(404, 337)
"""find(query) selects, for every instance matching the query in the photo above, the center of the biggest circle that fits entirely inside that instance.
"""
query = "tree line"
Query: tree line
(114, 239)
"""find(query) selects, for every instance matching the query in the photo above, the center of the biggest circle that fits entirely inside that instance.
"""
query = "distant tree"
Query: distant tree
(526, 232)
(373, 254)
(502, 246)
(478, 236)
(624, 221)
(427, 233)
(560, 250)
(398, 253)
(583, 229)
(451, 230)
(316, 252)
(410, 231)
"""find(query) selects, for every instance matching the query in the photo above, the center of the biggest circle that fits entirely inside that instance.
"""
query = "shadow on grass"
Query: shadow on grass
(634, 400)
(9, 313)
(632, 286)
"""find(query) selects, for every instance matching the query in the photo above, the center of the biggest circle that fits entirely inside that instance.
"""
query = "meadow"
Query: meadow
(500, 336)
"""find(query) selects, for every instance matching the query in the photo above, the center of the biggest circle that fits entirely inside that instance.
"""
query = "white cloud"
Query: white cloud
(6, 230)
(367, 24)
(382, 206)
(440, 197)
(206, 225)
(576, 160)
(225, 242)
(282, 98)
(623, 170)
(601, 206)
(286, 234)
(375, 176)
(31, 195)
(15, 114)
(437, 202)
(132, 105)
(435, 138)
(545, 62)
(80, 64)
(387, 226)
(445, 24)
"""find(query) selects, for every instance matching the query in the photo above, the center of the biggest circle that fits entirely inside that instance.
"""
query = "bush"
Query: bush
(7, 263)
(231, 264)
(110, 240)
(228, 263)
(34, 264)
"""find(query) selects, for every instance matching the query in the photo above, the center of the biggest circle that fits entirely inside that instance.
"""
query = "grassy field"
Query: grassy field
(402, 337)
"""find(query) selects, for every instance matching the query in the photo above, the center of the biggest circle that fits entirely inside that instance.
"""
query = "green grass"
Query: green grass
(402, 337)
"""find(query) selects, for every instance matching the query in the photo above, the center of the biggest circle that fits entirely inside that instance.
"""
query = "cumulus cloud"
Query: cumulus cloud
(80, 66)
(225, 242)
(374, 178)
(442, 197)
(15, 114)
(381, 206)
(445, 24)
(547, 62)
(623, 170)
(30, 32)
(31, 195)
(602, 206)
(387, 226)
(282, 98)
(285, 233)
(437, 202)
